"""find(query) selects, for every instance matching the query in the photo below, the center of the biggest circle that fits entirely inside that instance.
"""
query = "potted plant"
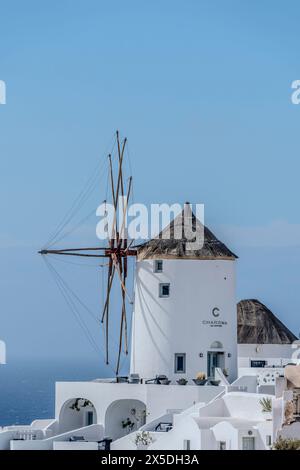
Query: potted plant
(200, 379)
(143, 440)
(182, 381)
(80, 403)
(214, 382)
(128, 424)
(266, 406)
(164, 381)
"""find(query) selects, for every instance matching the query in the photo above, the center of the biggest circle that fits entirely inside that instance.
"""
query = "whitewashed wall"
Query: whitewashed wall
(236, 405)
(247, 420)
(180, 323)
(291, 432)
(121, 410)
(75, 445)
(224, 432)
(174, 439)
(158, 399)
(274, 354)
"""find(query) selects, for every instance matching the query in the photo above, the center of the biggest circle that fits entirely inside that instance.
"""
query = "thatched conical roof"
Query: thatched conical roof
(174, 242)
(258, 325)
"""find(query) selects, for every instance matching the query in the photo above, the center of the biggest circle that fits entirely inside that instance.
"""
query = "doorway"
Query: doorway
(76, 413)
(124, 416)
(89, 418)
(248, 443)
(214, 359)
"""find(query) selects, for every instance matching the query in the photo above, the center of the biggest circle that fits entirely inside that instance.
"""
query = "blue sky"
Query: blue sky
(202, 91)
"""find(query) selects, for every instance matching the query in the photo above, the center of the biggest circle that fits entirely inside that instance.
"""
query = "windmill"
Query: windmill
(117, 251)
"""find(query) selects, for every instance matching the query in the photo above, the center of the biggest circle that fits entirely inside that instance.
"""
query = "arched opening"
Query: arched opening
(216, 345)
(124, 416)
(76, 413)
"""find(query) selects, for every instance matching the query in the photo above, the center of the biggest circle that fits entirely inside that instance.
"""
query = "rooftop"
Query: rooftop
(258, 325)
(175, 239)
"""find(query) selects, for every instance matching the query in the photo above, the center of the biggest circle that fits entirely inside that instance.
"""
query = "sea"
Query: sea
(27, 388)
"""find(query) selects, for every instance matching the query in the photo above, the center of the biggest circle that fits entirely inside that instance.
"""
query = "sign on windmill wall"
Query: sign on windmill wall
(215, 323)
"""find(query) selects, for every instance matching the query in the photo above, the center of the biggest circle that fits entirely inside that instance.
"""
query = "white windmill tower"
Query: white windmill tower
(184, 318)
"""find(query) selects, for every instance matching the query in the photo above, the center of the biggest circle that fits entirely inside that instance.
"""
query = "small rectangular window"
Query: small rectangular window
(164, 290)
(258, 363)
(269, 440)
(186, 444)
(222, 445)
(180, 363)
(158, 266)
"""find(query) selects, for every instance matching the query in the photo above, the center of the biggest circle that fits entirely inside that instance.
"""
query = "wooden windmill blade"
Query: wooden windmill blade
(123, 325)
(112, 180)
(119, 187)
(122, 251)
(123, 299)
(117, 251)
(105, 315)
(123, 284)
(122, 260)
(111, 268)
(113, 262)
(118, 255)
(74, 252)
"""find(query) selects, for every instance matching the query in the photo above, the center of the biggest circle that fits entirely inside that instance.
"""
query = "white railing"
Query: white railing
(28, 435)
(19, 434)
(25, 433)
(92, 433)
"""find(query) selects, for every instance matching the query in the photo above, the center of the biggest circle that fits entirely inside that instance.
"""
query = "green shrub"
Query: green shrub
(266, 404)
(286, 444)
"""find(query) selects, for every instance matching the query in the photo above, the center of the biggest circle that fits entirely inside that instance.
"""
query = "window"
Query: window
(258, 363)
(186, 444)
(158, 266)
(268, 440)
(164, 290)
(222, 445)
(180, 363)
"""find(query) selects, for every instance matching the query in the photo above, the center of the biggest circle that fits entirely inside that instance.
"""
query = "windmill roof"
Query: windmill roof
(258, 325)
(174, 242)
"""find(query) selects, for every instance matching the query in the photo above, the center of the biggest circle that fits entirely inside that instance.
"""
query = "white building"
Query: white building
(184, 319)
(232, 421)
(210, 419)
(263, 340)
(173, 416)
